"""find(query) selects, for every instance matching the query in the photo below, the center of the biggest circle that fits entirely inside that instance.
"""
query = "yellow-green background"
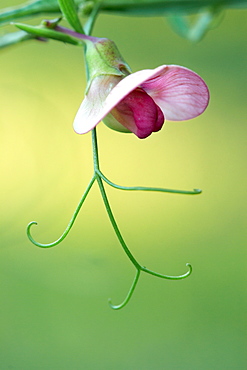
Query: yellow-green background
(53, 311)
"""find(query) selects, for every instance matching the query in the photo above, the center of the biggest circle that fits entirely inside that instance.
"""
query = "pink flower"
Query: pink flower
(141, 101)
(134, 102)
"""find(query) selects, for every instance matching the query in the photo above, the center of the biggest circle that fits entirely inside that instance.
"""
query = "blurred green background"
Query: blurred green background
(54, 311)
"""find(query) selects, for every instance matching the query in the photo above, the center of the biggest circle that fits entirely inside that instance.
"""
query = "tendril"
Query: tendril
(148, 188)
(134, 284)
(179, 277)
(70, 224)
(130, 292)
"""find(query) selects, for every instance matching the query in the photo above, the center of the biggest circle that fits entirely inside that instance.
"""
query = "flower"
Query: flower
(138, 102)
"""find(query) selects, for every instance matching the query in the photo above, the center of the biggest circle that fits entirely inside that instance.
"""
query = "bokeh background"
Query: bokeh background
(54, 310)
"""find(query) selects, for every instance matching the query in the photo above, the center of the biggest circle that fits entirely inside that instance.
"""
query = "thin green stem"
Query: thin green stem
(70, 224)
(105, 199)
(114, 224)
(95, 152)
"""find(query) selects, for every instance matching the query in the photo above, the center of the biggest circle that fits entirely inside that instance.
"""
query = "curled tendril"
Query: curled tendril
(68, 228)
(48, 245)
(144, 269)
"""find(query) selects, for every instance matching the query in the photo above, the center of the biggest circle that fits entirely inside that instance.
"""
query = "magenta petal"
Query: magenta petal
(160, 120)
(180, 92)
(139, 113)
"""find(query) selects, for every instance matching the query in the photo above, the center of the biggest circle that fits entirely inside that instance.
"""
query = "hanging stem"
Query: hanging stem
(95, 151)
(106, 202)
(114, 224)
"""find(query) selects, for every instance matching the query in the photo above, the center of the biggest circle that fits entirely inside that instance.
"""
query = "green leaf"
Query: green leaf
(69, 10)
(40, 31)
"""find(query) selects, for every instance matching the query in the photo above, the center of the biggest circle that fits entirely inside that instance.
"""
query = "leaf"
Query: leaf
(40, 31)
(69, 10)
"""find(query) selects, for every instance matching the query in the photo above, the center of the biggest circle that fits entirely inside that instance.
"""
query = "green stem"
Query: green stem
(95, 151)
(106, 202)
(114, 224)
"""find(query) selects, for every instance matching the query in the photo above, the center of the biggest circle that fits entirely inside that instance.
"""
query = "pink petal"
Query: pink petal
(180, 92)
(139, 113)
